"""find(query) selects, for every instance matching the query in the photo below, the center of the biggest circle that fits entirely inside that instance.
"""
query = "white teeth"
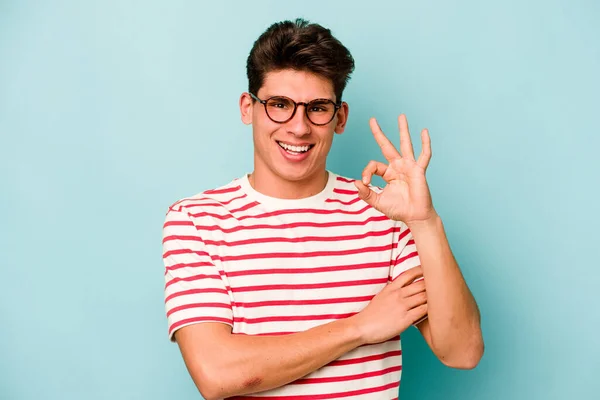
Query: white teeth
(295, 149)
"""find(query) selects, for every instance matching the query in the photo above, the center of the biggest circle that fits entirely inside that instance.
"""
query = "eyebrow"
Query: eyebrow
(268, 95)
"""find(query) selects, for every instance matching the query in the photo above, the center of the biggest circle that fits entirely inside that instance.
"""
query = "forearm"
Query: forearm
(453, 316)
(250, 364)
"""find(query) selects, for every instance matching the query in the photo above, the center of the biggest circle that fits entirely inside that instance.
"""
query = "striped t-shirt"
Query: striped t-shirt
(268, 266)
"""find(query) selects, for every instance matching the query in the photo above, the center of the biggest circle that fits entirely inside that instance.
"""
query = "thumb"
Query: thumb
(365, 193)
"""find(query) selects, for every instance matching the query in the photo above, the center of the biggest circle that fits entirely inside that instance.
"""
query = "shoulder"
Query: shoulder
(345, 191)
(345, 196)
(213, 198)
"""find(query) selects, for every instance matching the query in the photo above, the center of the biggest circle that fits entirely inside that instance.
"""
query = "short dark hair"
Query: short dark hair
(302, 46)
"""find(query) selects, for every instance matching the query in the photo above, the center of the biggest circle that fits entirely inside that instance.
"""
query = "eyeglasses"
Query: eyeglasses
(282, 109)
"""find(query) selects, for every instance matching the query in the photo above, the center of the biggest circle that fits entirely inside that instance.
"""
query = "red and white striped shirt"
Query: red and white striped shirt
(268, 266)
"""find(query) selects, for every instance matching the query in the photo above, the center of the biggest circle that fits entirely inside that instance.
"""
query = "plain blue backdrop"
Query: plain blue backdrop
(112, 110)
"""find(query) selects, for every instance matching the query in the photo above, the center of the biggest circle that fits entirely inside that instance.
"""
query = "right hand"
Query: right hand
(399, 305)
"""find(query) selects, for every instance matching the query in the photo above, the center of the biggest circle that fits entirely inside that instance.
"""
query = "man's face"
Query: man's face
(271, 137)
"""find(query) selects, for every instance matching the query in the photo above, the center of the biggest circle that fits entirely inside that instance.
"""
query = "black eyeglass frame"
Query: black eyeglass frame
(337, 106)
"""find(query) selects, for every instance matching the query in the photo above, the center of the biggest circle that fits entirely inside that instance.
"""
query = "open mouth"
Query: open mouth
(295, 150)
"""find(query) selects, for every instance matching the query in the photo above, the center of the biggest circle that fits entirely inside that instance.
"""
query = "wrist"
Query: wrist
(353, 329)
(430, 222)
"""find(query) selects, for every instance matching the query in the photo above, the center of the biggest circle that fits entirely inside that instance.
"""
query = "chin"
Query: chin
(295, 174)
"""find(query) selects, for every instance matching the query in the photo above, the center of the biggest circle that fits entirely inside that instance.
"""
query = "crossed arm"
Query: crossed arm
(258, 363)
(223, 364)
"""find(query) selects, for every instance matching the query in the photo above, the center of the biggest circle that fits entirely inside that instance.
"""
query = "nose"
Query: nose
(299, 125)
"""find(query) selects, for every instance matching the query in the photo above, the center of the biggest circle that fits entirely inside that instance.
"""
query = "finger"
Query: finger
(408, 276)
(418, 313)
(406, 147)
(413, 288)
(425, 156)
(366, 194)
(416, 300)
(373, 167)
(387, 148)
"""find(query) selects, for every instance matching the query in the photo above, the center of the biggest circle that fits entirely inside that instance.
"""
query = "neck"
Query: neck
(275, 186)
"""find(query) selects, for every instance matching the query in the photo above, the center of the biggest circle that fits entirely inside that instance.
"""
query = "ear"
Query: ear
(246, 108)
(341, 118)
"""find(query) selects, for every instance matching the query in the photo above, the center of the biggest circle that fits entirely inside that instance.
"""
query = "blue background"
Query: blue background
(110, 111)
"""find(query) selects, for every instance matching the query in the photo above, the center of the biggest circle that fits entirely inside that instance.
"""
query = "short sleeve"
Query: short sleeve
(194, 289)
(404, 254)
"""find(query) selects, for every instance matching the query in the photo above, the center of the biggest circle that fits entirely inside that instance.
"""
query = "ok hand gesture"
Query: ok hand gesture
(406, 196)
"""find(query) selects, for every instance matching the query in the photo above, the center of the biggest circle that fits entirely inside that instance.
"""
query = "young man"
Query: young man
(293, 282)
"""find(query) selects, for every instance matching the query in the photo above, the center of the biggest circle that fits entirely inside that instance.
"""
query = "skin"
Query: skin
(452, 329)
(273, 175)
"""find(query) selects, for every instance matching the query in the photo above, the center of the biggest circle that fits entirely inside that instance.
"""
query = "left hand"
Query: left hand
(406, 196)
